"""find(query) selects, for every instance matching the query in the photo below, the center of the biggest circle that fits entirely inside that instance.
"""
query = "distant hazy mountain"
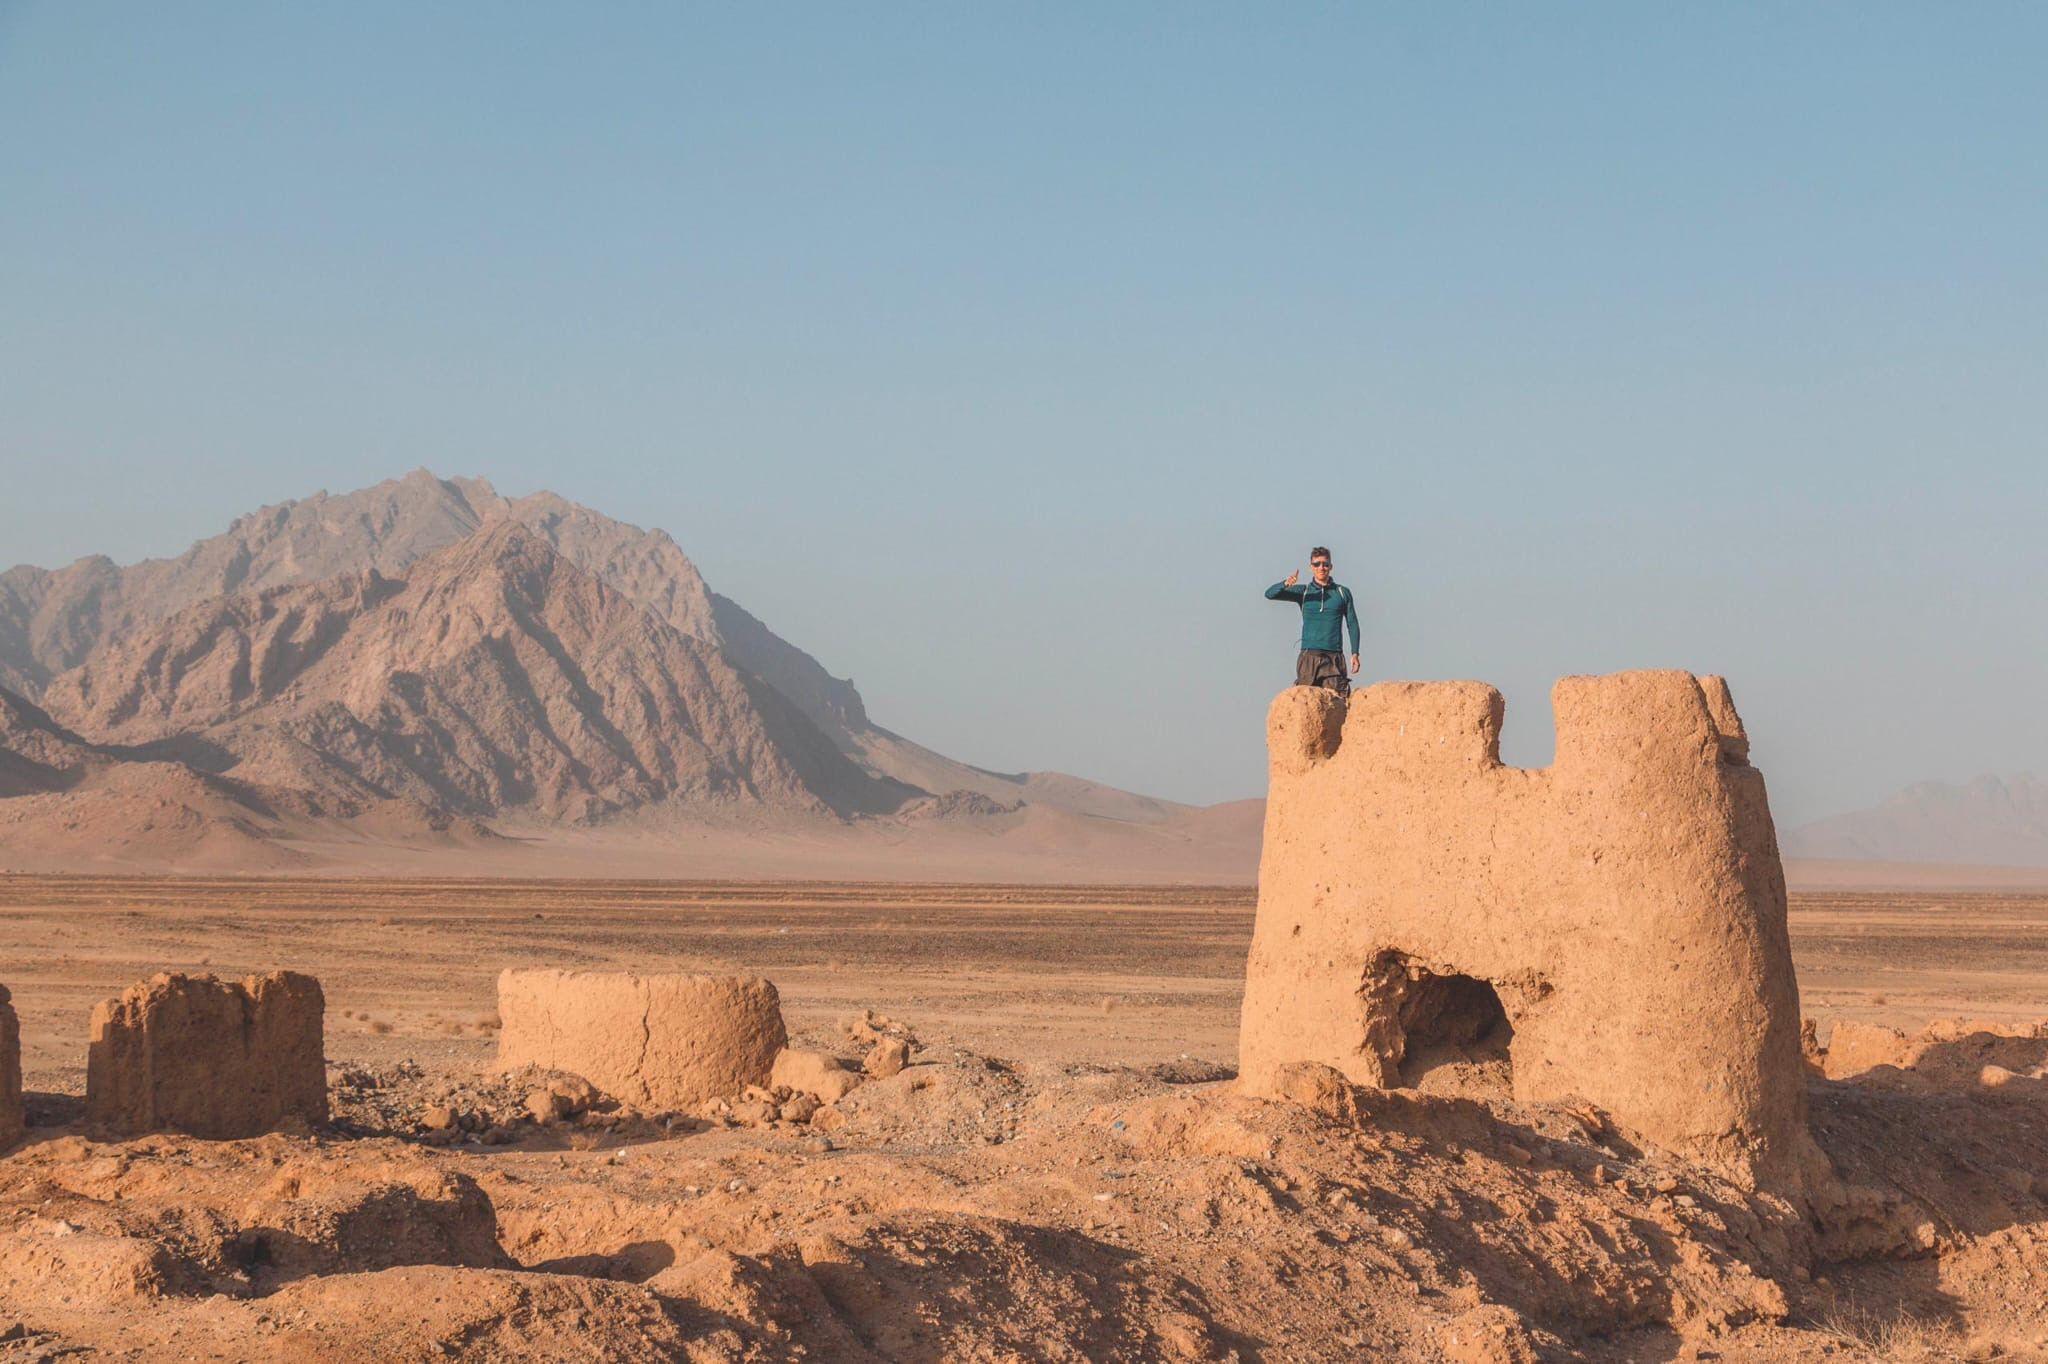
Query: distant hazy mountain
(1987, 821)
(410, 659)
(496, 676)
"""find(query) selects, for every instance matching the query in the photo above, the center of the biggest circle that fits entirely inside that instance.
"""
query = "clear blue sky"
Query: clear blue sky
(1001, 355)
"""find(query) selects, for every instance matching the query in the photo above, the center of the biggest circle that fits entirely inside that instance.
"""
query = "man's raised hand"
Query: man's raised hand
(1294, 577)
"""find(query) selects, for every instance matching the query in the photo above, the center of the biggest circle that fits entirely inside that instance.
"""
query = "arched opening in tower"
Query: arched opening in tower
(1441, 1032)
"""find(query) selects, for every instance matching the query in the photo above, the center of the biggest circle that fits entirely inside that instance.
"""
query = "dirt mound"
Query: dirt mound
(659, 1041)
(1612, 927)
(972, 1209)
(483, 1316)
(256, 1216)
(1947, 1053)
(959, 805)
(146, 814)
(208, 1057)
(894, 1289)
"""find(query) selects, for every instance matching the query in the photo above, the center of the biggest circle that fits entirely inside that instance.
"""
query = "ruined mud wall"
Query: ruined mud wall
(10, 1073)
(657, 1040)
(208, 1057)
(1626, 904)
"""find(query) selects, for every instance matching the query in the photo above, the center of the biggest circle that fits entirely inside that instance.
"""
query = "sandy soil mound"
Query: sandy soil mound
(1947, 1053)
(969, 1208)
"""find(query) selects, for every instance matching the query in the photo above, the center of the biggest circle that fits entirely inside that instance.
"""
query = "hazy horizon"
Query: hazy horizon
(1001, 360)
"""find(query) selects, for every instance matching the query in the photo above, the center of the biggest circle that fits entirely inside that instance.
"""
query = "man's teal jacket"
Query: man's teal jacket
(1325, 612)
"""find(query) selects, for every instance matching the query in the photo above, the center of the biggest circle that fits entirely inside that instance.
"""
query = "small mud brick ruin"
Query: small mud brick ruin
(222, 1060)
(1615, 922)
(10, 1072)
(208, 1057)
(666, 1040)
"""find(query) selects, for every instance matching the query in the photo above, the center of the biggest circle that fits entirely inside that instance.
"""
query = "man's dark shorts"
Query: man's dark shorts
(1321, 668)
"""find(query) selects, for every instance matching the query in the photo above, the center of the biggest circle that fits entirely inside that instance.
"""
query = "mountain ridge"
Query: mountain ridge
(434, 651)
(1988, 820)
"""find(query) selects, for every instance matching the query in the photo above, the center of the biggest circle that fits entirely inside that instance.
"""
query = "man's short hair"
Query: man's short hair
(1324, 552)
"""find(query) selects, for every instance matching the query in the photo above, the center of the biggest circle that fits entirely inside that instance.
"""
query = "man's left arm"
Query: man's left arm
(1351, 624)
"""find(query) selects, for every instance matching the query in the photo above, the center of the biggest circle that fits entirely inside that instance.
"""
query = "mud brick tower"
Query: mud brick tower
(1614, 922)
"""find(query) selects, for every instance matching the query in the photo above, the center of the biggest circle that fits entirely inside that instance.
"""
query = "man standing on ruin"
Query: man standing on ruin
(1326, 610)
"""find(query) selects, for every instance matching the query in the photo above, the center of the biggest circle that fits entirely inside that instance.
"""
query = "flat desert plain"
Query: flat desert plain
(1061, 1173)
(1106, 974)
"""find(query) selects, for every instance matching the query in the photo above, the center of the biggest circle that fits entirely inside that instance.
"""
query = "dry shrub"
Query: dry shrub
(380, 1027)
(1892, 1337)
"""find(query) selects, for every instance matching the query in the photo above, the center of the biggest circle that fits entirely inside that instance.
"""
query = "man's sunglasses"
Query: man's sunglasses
(1318, 563)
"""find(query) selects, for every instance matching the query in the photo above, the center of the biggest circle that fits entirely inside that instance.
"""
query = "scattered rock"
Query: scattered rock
(1315, 1086)
(1487, 1335)
(1854, 1048)
(576, 1093)
(888, 1057)
(813, 1072)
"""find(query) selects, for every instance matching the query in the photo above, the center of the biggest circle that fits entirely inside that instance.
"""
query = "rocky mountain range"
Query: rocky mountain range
(1987, 821)
(429, 663)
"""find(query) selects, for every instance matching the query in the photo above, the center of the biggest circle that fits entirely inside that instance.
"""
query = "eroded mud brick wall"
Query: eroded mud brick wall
(1627, 904)
(208, 1057)
(10, 1073)
(658, 1040)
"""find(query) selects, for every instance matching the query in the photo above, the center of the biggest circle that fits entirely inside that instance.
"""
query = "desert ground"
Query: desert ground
(1103, 974)
(1062, 1173)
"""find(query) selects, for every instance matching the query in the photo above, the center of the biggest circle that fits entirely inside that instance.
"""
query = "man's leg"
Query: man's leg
(1333, 677)
(1317, 668)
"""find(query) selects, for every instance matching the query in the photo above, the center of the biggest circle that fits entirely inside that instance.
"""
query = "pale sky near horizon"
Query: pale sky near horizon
(1000, 357)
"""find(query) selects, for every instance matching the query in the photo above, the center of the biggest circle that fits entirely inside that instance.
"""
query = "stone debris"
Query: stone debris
(1488, 1335)
(403, 1100)
(814, 1072)
(887, 1057)
(1856, 1047)
(1317, 1087)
